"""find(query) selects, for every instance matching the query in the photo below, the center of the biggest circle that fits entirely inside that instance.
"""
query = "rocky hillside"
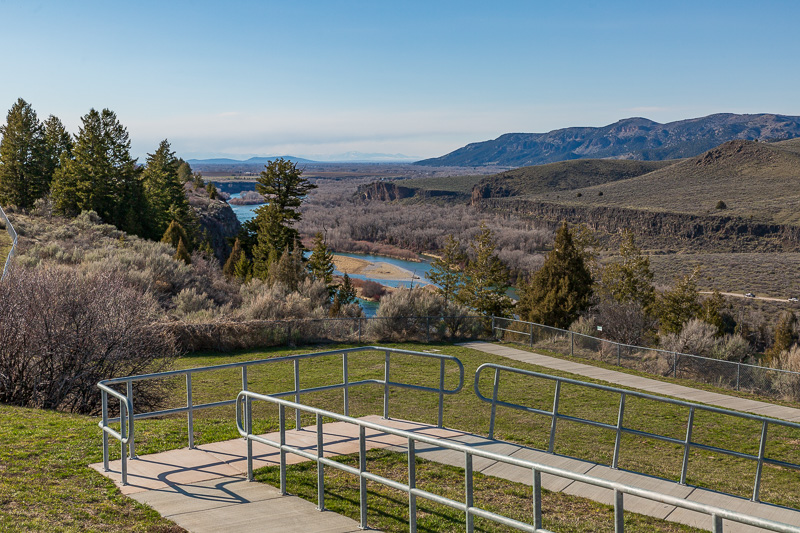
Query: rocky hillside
(216, 217)
(632, 138)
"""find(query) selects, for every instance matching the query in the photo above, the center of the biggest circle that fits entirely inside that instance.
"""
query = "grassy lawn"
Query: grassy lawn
(46, 485)
(5, 246)
(388, 508)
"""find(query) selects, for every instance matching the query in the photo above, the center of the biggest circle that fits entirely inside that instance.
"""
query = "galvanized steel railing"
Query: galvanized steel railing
(719, 372)
(244, 415)
(127, 401)
(620, 429)
(13, 234)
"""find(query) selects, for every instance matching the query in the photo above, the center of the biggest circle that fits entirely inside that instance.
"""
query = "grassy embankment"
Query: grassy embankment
(5, 246)
(45, 484)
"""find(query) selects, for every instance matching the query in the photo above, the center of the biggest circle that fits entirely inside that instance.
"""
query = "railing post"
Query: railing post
(537, 499)
(104, 397)
(468, 491)
(346, 381)
(441, 392)
(412, 484)
(320, 467)
(282, 429)
(386, 385)
(552, 444)
(687, 446)
(362, 467)
(619, 512)
(761, 450)
(620, 417)
(716, 524)
(248, 421)
(248, 415)
(123, 412)
(495, 388)
(190, 412)
(132, 444)
(298, 422)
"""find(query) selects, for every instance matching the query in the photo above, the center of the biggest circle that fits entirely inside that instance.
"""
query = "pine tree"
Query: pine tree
(243, 269)
(23, 153)
(184, 171)
(164, 192)
(677, 306)
(630, 280)
(320, 264)
(485, 278)
(102, 176)
(212, 191)
(58, 144)
(289, 270)
(447, 271)
(283, 186)
(561, 289)
(182, 253)
(346, 294)
(175, 234)
(230, 265)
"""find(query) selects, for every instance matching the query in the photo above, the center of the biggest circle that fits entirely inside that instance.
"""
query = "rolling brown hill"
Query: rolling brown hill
(757, 181)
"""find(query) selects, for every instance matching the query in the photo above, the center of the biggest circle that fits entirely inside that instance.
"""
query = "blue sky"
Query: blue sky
(316, 78)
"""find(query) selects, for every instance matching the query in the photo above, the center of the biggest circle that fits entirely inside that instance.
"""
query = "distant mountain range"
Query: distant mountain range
(631, 138)
(251, 161)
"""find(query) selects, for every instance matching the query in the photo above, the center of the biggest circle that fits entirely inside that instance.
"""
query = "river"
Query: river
(246, 212)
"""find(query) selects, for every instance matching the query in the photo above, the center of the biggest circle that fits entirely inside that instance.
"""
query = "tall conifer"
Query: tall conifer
(23, 172)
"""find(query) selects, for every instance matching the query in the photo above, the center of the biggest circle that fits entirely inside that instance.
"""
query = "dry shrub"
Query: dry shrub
(788, 384)
(61, 332)
(419, 314)
(370, 290)
(696, 338)
(261, 301)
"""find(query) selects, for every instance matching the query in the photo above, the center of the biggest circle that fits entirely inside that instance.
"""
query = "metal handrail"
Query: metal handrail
(125, 433)
(345, 385)
(244, 414)
(619, 427)
(13, 234)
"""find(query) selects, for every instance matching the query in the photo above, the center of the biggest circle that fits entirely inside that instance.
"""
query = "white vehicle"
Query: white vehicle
(793, 299)
(749, 295)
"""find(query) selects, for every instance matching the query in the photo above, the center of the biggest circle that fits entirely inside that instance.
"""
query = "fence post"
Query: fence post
(619, 354)
(674, 365)
(531, 334)
(495, 338)
(571, 344)
(427, 330)
(738, 373)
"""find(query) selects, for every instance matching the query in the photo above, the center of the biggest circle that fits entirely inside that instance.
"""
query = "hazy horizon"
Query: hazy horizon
(420, 79)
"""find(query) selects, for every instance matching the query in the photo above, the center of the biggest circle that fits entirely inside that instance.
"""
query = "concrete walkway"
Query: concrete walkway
(204, 490)
(637, 382)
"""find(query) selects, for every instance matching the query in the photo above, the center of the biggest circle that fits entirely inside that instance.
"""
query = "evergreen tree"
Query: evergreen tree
(212, 191)
(23, 153)
(229, 268)
(785, 335)
(164, 192)
(283, 186)
(182, 253)
(485, 278)
(175, 234)
(346, 294)
(447, 271)
(559, 291)
(184, 171)
(102, 176)
(243, 269)
(714, 311)
(58, 144)
(677, 306)
(320, 264)
(290, 269)
(629, 281)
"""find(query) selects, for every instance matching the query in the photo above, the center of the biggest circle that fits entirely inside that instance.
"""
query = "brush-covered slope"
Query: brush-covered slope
(754, 180)
(632, 138)
(561, 176)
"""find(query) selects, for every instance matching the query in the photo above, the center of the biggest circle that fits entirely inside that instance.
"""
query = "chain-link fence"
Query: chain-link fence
(225, 336)
(727, 374)
(6, 223)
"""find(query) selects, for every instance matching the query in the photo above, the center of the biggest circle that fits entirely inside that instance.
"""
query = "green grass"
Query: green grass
(388, 508)
(5, 246)
(46, 485)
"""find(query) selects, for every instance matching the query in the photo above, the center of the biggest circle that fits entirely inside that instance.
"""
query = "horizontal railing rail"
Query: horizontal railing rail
(244, 413)
(619, 428)
(14, 237)
(729, 374)
(297, 391)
